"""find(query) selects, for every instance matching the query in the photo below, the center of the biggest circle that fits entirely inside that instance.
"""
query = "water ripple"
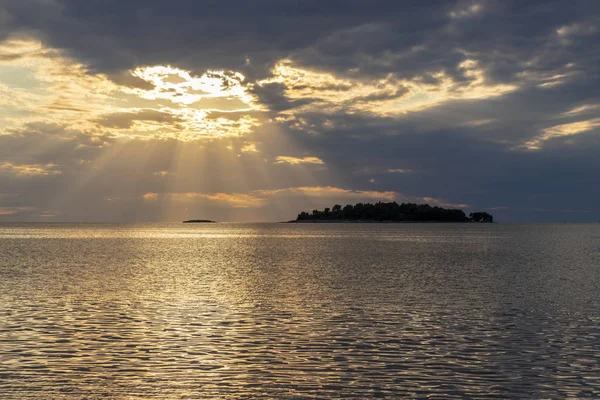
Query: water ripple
(228, 316)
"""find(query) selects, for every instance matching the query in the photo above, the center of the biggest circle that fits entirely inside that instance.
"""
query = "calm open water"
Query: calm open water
(173, 311)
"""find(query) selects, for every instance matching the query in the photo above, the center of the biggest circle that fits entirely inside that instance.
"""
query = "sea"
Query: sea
(297, 311)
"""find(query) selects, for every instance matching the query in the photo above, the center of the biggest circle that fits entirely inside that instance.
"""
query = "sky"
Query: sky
(235, 110)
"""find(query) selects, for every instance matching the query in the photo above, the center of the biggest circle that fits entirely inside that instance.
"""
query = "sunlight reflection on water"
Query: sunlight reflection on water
(319, 311)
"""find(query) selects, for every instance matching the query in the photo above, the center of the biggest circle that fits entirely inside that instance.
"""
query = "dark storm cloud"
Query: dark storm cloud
(503, 36)
(114, 34)
(463, 150)
(273, 96)
(375, 37)
(356, 38)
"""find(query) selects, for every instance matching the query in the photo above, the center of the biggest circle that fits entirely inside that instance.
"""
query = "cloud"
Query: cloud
(466, 11)
(312, 90)
(329, 192)
(49, 215)
(262, 197)
(585, 108)
(179, 86)
(249, 148)
(296, 160)
(29, 169)
(442, 203)
(15, 210)
(125, 120)
(47, 86)
(567, 32)
(570, 129)
(236, 200)
(325, 89)
(299, 197)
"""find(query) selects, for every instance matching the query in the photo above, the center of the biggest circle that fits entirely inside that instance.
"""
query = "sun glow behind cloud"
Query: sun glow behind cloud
(180, 86)
(43, 85)
(168, 102)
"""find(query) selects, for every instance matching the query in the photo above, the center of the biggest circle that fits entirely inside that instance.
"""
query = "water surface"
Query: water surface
(172, 311)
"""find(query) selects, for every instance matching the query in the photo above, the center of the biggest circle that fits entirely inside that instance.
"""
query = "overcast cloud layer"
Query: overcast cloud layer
(255, 110)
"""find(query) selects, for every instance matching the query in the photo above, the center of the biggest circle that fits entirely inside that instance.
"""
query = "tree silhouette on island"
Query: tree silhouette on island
(392, 212)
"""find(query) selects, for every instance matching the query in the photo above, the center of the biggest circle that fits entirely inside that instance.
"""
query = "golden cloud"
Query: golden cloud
(236, 200)
(581, 109)
(260, 198)
(44, 85)
(30, 169)
(48, 214)
(249, 148)
(239, 200)
(296, 160)
(325, 92)
(441, 203)
(548, 79)
(328, 191)
(573, 128)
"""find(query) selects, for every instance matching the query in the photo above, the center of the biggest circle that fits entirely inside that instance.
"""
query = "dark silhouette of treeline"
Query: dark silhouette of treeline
(405, 212)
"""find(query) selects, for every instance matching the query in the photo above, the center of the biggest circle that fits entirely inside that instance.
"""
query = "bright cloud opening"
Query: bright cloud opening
(39, 84)
(179, 86)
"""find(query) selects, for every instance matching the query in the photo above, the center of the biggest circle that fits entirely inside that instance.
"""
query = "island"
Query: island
(391, 212)
(198, 221)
